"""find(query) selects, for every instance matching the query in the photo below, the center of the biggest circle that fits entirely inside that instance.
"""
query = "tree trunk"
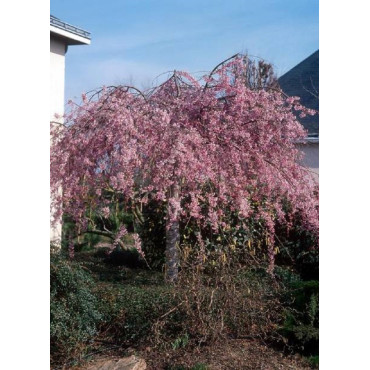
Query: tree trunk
(172, 235)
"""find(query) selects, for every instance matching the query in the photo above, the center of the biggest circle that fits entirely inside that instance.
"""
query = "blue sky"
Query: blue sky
(133, 41)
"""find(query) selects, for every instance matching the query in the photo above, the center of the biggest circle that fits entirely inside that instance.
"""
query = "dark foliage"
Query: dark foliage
(129, 258)
(74, 314)
(152, 230)
(301, 301)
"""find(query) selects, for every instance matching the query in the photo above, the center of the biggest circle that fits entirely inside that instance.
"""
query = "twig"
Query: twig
(218, 65)
(170, 311)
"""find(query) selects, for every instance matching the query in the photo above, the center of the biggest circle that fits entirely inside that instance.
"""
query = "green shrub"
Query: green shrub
(299, 250)
(301, 301)
(131, 312)
(74, 315)
(314, 362)
(180, 342)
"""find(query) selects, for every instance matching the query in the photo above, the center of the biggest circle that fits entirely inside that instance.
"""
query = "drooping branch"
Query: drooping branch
(218, 66)
(108, 234)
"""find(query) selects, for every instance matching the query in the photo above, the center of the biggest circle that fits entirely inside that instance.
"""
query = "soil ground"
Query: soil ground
(232, 355)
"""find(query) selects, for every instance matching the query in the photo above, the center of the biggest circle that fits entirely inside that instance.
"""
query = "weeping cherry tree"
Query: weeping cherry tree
(170, 142)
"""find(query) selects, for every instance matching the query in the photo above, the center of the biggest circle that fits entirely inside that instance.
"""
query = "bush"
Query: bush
(86, 307)
(131, 312)
(74, 314)
(301, 301)
(314, 361)
(219, 297)
(211, 300)
(299, 250)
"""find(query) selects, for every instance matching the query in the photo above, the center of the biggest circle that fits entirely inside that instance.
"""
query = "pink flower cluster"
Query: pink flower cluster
(71, 250)
(137, 244)
(120, 234)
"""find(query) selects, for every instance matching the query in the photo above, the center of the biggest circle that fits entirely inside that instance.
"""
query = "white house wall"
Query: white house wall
(57, 73)
(311, 157)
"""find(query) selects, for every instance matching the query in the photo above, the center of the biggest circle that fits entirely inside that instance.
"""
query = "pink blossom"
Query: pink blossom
(71, 250)
(120, 234)
(225, 145)
(105, 212)
(137, 244)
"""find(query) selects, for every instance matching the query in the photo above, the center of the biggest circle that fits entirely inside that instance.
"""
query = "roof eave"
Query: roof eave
(308, 140)
(69, 37)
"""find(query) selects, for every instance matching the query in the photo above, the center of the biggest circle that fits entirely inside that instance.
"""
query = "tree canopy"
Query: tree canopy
(201, 146)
